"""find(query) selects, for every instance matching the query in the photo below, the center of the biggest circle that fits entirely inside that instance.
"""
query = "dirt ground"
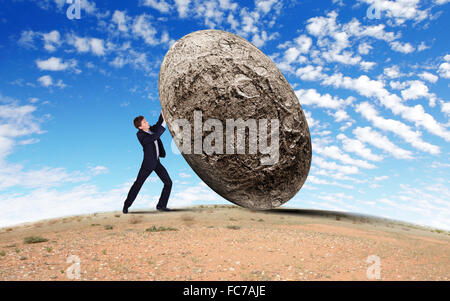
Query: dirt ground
(221, 242)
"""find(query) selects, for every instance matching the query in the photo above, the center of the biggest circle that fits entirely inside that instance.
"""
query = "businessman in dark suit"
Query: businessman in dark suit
(153, 148)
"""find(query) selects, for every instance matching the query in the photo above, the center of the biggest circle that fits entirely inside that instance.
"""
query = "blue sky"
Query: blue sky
(375, 88)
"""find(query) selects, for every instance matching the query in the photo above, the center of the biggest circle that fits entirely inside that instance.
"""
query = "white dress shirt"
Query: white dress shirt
(156, 141)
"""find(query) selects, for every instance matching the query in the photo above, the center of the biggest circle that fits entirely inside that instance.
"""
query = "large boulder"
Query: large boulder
(212, 78)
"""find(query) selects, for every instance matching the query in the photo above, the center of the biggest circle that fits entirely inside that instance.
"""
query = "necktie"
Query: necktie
(156, 146)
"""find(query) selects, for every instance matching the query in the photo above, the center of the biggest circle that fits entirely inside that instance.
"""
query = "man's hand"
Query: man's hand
(164, 121)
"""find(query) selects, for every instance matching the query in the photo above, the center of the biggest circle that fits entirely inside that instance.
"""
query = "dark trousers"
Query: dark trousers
(144, 172)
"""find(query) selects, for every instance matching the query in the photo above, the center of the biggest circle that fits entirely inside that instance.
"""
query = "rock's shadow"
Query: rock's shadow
(320, 213)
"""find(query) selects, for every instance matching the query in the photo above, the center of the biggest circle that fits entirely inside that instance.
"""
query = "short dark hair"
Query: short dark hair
(137, 121)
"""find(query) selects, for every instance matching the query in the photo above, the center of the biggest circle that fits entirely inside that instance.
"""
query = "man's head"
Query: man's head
(141, 124)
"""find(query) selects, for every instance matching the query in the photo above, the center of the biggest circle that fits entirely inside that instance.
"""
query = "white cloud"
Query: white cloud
(81, 44)
(27, 39)
(210, 12)
(136, 59)
(321, 26)
(318, 181)
(97, 46)
(182, 7)
(98, 170)
(28, 141)
(310, 72)
(304, 43)
(88, 6)
(143, 28)
(334, 40)
(337, 175)
(227, 5)
(372, 88)
(392, 72)
(6, 146)
(429, 77)
(52, 40)
(15, 176)
(232, 21)
(327, 26)
(444, 68)
(50, 202)
(427, 201)
(359, 148)
(294, 51)
(260, 39)
(55, 64)
(250, 24)
(366, 66)
(422, 47)
(346, 125)
(355, 28)
(199, 193)
(120, 19)
(265, 5)
(445, 108)
(346, 57)
(15, 121)
(380, 178)
(118, 62)
(397, 85)
(344, 169)
(184, 175)
(84, 45)
(416, 90)
(291, 54)
(396, 127)
(340, 115)
(402, 47)
(335, 153)
(366, 134)
(364, 48)
(161, 5)
(47, 81)
(312, 97)
(399, 11)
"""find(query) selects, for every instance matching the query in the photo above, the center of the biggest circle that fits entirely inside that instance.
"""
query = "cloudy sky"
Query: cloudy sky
(372, 76)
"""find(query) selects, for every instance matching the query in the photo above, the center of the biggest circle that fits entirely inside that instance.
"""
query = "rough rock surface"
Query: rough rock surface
(226, 77)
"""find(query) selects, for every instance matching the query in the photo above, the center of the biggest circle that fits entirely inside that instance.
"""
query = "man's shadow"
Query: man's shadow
(157, 212)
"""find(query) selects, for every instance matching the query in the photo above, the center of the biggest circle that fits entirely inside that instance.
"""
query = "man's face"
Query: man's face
(144, 125)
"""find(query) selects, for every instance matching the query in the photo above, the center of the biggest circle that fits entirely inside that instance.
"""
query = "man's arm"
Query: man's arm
(164, 123)
(160, 121)
(151, 138)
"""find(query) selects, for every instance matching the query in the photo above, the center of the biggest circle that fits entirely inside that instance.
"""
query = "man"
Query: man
(153, 148)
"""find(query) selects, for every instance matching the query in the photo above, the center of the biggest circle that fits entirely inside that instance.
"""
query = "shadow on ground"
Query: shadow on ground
(157, 212)
(322, 213)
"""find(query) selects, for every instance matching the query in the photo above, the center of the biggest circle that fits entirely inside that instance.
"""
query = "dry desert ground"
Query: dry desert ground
(223, 242)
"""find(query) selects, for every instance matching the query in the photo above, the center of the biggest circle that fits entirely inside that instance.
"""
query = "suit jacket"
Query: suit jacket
(148, 144)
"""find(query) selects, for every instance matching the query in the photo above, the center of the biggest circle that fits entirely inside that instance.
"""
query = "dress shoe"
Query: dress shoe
(164, 209)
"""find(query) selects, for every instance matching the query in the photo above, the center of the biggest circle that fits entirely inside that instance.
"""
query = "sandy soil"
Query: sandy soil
(224, 243)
